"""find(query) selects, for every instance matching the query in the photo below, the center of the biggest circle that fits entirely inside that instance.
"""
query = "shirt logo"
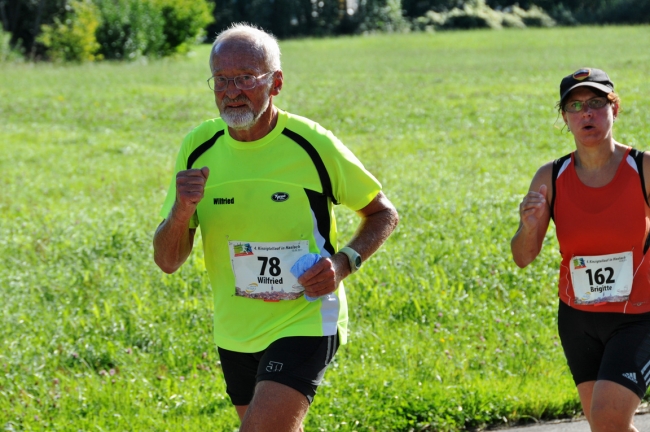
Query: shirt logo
(220, 201)
(280, 196)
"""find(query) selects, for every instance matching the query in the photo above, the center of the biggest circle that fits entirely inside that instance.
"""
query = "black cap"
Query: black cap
(595, 78)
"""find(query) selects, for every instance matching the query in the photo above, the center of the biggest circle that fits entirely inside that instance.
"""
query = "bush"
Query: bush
(624, 12)
(474, 14)
(130, 29)
(124, 29)
(511, 20)
(461, 19)
(7, 52)
(384, 16)
(24, 19)
(74, 38)
(533, 17)
(184, 22)
(430, 21)
(155, 28)
(477, 14)
(563, 16)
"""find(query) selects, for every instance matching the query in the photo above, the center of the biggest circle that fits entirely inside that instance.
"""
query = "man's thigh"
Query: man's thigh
(275, 407)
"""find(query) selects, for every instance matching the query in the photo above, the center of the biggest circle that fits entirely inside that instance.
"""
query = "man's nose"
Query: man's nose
(231, 89)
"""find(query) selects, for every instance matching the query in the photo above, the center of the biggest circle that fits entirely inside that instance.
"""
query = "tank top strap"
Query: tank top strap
(559, 165)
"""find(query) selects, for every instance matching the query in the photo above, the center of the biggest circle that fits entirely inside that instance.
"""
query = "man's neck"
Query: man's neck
(260, 129)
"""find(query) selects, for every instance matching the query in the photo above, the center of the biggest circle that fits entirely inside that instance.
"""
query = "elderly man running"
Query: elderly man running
(261, 184)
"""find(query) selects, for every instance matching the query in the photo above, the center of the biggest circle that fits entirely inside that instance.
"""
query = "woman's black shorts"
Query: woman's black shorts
(607, 346)
(298, 362)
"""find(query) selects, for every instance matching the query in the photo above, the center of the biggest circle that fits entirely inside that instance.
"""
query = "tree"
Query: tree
(24, 18)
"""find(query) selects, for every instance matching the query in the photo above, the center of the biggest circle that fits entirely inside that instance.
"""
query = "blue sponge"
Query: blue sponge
(303, 264)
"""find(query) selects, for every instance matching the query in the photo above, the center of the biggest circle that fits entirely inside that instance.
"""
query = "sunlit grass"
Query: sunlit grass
(446, 333)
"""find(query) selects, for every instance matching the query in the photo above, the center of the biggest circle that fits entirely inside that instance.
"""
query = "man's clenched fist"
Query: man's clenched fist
(190, 185)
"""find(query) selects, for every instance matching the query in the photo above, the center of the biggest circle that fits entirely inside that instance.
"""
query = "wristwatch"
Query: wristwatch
(353, 258)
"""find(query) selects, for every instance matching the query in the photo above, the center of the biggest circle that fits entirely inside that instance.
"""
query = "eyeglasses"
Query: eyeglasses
(242, 82)
(593, 103)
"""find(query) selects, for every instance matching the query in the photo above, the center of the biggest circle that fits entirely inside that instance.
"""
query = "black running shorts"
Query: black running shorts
(298, 362)
(606, 346)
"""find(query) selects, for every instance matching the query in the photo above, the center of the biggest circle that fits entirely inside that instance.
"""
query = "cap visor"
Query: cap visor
(601, 87)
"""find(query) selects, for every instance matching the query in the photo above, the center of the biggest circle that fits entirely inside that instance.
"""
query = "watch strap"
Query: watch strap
(353, 258)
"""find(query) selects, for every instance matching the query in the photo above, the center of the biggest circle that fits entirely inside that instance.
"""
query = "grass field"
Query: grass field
(446, 333)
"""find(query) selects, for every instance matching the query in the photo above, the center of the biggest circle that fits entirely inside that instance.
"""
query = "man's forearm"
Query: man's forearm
(374, 229)
(172, 244)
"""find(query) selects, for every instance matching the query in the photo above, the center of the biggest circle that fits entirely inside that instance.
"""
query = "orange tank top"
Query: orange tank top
(600, 221)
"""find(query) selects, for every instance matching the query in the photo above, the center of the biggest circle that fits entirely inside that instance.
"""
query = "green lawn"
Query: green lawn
(446, 332)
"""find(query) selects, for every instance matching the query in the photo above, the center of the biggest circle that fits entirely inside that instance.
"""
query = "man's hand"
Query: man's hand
(378, 220)
(323, 277)
(190, 185)
(173, 240)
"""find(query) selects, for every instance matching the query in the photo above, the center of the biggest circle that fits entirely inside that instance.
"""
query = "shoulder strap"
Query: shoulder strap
(638, 159)
(323, 175)
(557, 164)
(203, 148)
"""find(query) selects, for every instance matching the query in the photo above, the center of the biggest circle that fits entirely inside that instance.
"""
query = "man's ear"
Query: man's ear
(278, 80)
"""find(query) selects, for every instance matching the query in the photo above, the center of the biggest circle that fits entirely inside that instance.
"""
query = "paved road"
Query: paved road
(641, 421)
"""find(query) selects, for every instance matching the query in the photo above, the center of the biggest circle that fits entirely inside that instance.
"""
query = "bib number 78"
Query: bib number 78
(599, 277)
(273, 264)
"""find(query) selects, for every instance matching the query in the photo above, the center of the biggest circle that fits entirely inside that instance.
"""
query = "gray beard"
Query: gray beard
(239, 119)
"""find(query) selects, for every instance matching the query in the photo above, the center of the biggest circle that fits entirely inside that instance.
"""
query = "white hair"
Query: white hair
(262, 42)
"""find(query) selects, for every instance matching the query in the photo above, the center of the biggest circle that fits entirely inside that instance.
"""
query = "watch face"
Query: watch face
(357, 262)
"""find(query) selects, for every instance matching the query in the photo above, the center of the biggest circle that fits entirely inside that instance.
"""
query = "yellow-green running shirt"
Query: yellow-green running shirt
(275, 190)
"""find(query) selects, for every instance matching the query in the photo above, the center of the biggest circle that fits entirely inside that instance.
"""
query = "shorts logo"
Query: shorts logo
(579, 263)
(631, 376)
(280, 196)
(274, 367)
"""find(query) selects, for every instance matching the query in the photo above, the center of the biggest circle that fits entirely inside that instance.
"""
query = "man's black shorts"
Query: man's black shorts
(298, 362)
(607, 346)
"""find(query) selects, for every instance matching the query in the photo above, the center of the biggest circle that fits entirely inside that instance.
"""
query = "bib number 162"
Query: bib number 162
(599, 277)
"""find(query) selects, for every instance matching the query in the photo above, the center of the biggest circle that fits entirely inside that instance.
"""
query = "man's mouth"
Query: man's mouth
(236, 104)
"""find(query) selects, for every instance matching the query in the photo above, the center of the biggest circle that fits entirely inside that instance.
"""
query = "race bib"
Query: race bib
(262, 270)
(603, 278)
